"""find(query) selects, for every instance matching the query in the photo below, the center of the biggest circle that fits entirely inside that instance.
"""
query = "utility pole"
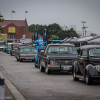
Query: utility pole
(83, 27)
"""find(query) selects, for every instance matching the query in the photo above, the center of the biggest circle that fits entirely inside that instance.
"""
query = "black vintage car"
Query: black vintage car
(26, 53)
(88, 65)
(57, 57)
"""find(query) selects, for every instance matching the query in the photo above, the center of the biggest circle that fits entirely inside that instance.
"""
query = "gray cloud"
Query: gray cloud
(63, 12)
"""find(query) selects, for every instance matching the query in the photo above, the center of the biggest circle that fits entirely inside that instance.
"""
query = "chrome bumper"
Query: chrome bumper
(60, 68)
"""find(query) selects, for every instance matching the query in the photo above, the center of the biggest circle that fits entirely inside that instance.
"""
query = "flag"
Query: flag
(13, 11)
(26, 11)
(62, 27)
(66, 27)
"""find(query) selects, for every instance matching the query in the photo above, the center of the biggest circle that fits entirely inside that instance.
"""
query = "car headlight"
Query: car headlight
(22, 55)
(98, 68)
(52, 62)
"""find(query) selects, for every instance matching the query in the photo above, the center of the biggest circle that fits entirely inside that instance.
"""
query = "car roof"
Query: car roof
(67, 44)
(26, 47)
(17, 43)
(41, 48)
(9, 43)
(89, 46)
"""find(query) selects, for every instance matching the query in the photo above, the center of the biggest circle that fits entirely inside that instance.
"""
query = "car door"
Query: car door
(82, 59)
(17, 53)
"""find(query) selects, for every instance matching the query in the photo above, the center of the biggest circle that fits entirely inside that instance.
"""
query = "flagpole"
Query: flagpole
(25, 15)
(11, 15)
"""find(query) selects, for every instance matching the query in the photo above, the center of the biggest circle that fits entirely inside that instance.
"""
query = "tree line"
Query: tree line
(54, 31)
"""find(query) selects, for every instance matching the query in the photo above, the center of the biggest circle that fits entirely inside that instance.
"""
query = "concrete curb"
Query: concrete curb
(17, 95)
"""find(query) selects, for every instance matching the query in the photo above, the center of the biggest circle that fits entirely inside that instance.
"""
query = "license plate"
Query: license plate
(66, 68)
(29, 58)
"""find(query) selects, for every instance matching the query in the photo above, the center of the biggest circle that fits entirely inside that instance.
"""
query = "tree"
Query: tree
(54, 37)
(38, 28)
(62, 34)
(32, 37)
(93, 34)
(1, 20)
(52, 30)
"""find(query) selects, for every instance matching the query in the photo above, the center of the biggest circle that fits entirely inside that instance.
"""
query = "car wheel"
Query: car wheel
(74, 75)
(20, 60)
(17, 59)
(11, 54)
(47, 71)
(42, 68)
(38, 65)
(88, 79)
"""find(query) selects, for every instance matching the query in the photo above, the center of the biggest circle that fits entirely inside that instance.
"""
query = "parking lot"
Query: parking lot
(36, 85)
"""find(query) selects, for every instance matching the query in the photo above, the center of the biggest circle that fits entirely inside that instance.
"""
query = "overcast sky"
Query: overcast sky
(62, 12)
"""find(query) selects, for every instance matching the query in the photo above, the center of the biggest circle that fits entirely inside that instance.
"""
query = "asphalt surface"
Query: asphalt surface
(36, 85)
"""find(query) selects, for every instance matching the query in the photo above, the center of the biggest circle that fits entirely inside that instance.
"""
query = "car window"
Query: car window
(84, 52)
(94, 52)
(28, 50)
(33, 50)
(15, 46)
(46, 50)
(62, 49)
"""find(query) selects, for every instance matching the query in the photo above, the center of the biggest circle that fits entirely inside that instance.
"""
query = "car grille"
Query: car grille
(64, 61)
(1, 49)
(27, 55)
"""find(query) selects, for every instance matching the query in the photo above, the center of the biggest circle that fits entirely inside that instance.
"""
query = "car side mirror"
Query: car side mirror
(42, 51)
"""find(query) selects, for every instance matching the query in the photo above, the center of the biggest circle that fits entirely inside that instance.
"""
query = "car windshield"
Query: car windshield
(94, 52)
(62, 50)
(2, 45)
(9, 45)
(15, 46)
(28, 50)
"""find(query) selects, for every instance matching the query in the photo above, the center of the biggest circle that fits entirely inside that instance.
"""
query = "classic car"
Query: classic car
(87, 66)
(8, 47)
(4, 49)
(26, 53)
(14, 48)
(1, 47)
(57, 57)
(20, 47)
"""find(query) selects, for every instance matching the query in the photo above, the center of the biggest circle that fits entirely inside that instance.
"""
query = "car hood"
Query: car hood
(63, 56)
(28, 53)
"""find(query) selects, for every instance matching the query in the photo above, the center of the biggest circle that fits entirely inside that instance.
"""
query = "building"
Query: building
(15, 29)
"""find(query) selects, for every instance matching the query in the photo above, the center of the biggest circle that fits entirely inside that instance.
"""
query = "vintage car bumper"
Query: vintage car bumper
(1, 49)
(95, 77)
(60, 68)
(27, 58)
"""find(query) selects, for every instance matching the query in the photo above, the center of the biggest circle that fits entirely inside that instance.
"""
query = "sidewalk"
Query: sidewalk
(11, 92)
(8, 94)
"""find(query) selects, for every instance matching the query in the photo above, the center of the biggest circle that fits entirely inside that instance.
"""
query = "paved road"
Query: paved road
(36, 85)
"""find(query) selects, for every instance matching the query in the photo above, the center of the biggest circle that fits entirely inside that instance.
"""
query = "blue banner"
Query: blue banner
(35, 36)
(45, 35)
